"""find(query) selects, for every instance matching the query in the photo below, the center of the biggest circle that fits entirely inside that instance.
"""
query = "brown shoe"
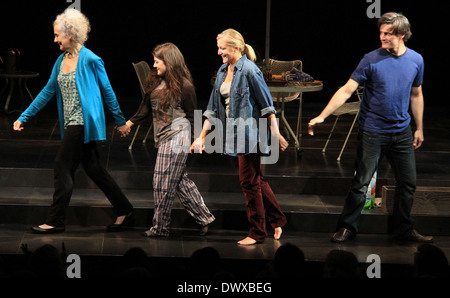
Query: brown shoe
(342, 235)
(416, 237)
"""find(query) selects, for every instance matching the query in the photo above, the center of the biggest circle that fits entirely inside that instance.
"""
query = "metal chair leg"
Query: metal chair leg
(329, 136)
(134, 137)
(348, 135)
(146, 135)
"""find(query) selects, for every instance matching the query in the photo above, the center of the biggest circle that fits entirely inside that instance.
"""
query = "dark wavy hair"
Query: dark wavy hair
(176, 73)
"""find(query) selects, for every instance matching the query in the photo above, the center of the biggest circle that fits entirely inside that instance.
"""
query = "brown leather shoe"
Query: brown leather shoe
(342, 235)
(416, 237)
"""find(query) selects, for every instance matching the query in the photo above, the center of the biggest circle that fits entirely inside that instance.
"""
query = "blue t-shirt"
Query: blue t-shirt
(387, 81)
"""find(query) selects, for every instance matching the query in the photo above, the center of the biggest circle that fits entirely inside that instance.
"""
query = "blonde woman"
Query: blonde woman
(171, 100)
(81, 86)
(240, 92)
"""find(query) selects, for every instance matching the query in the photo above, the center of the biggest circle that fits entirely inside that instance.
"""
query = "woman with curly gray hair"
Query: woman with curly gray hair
(81, 86)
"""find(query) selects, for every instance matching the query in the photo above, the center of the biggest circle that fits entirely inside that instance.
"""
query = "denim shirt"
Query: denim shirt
(250, 104)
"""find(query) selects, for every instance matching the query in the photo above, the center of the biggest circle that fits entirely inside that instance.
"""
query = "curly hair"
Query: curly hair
(74, 24)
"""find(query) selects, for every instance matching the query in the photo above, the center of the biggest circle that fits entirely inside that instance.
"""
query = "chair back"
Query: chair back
(352, 106)
(280, 67)
(142, 70)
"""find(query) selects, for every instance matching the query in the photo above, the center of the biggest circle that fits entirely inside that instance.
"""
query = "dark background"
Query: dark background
(330, 37)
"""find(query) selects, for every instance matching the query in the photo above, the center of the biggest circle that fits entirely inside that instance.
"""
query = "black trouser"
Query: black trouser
(73, 150)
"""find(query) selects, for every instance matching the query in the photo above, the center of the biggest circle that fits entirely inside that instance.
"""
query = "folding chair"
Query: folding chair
(142, 70)
(348, 108)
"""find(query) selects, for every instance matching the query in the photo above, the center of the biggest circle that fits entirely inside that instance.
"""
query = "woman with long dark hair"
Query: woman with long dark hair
(170, 99)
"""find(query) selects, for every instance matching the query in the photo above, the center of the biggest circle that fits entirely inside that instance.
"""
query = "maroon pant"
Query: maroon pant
(261, 201)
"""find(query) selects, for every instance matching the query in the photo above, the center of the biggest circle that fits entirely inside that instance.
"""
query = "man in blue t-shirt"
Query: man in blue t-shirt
(392, 77)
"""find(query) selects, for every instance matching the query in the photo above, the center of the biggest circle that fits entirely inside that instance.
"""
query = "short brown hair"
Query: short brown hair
(399, 22)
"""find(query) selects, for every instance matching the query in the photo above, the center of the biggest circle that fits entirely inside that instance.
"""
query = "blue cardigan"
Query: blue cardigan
(93, 85)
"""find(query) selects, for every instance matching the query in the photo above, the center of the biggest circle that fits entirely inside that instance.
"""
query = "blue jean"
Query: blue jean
(399, 150)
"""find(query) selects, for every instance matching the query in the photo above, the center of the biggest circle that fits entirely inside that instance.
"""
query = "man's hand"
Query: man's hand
(418, 139)
(313, 123)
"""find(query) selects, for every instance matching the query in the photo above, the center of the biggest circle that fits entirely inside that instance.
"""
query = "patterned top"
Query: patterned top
(73, 114)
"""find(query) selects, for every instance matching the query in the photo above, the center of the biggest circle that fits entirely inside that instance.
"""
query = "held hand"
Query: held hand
(312, 123)
(418, 139)
(18, 126)
(198, 146)
(124, 130)
(283, 143)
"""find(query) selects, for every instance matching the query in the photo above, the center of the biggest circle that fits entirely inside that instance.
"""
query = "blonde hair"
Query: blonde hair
(75, 24)
(234, 39)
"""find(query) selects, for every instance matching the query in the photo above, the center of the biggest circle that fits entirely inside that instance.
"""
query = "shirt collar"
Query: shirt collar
(241, 61)
(239, 64)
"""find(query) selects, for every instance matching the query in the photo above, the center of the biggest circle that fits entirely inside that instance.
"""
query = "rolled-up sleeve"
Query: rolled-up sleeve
(267, 111)
(209, 114)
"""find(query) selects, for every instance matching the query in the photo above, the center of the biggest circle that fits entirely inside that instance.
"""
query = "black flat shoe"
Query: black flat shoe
(53, 230)
(128, 221)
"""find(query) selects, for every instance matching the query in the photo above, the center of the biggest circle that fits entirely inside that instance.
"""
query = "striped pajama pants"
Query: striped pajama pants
(170, 178)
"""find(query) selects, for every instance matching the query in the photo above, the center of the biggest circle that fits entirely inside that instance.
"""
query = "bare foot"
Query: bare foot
(247, 241)
(278, 232)
(120, 219)
(46, 227)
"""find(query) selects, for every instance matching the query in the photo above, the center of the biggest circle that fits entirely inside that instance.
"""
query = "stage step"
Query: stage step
(305, 212)
(428, 200)
(225, 181)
